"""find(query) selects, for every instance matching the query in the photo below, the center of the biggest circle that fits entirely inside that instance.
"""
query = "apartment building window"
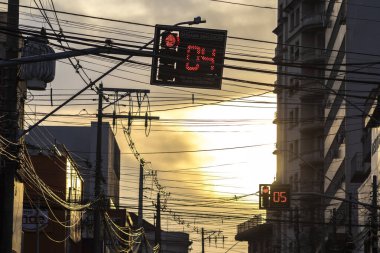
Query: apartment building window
(294, 86)
(297, 17)
(291, 53)
(295, 182)
(296, 50)
(290, 153)
(291, 21)
(291, 118)
(293, 150)
(296, 116)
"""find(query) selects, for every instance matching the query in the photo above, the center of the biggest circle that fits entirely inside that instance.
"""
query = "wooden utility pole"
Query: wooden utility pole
(9, 127)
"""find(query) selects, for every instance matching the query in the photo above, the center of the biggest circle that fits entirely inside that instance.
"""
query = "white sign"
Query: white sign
(33, 219)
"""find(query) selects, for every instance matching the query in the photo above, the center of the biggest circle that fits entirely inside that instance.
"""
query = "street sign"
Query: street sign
(274, 196)
(188, 57)
(33, 219)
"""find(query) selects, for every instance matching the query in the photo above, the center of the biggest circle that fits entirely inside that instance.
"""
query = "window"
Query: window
(295, 183)
(291, 152)
(297, 17)
(296, 116)
(291, 21)
(291, 118)
(296, 50)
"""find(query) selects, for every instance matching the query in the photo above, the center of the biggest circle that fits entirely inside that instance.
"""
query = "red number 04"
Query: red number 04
(279, 197)
(200, 57)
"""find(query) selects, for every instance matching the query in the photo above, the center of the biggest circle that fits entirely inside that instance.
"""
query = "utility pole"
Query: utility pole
(374, 228)
(141, 193)
(9, 129)
(98, 211)
(203, 240)
(158, 224)
(297, 231)
(98, 240)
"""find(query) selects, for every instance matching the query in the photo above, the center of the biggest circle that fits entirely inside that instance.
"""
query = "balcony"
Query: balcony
(311, 124)
(279, 51)
(360, 169)
(312, 55)
(278, 29)
(275, 120)
(255, 230)
(288, 4)
(249, 224)
(310, 89)
(311, 158)
(312, 22)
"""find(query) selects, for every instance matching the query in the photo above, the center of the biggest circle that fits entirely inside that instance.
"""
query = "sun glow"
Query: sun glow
(246, 133)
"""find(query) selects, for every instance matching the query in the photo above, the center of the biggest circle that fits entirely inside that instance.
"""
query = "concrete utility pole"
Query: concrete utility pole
(141, 193)
(374, 228)
(297, 231)
(203, 240)
(99, 195)
(9, 129)
(158, 224)
(98, 238)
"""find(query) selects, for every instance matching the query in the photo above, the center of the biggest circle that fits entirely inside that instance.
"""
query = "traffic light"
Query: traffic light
(188, 57)
(274, 196)
(264, 196)
(168, 54)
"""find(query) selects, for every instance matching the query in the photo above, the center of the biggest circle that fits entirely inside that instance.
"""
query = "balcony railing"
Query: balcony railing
(312, 157)
(311, 124)
(311, 55)
(251, 223)
(312, 21)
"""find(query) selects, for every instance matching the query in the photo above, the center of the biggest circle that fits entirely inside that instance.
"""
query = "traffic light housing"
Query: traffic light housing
(168, 54)
(188, 57)
(274, 196)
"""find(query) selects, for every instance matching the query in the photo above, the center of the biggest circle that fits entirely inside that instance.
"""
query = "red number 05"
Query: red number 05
(200, 57)
(279, 197)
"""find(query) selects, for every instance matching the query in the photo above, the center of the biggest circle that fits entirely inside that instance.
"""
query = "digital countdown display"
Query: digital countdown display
(274, 196)
(188, 57)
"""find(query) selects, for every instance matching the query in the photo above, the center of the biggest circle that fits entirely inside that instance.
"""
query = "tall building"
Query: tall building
(81, 143)
(347, 148)
(299, 87)
(327, 120)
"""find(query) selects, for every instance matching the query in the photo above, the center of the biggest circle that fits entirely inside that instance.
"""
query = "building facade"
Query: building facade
(258, 234)
(350, 82)
(47, 225)
(300, 95)
(81, 142)
(327, 90)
